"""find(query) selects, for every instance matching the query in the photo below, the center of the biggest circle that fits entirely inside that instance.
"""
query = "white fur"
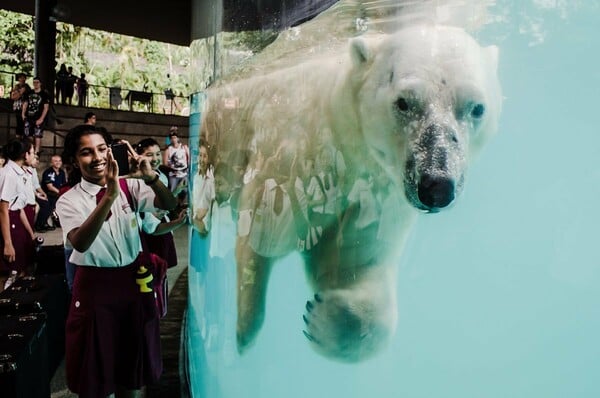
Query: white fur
(452, 89)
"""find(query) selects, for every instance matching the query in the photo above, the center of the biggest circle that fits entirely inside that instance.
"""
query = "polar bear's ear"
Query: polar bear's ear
(359, 52)
(491, 55)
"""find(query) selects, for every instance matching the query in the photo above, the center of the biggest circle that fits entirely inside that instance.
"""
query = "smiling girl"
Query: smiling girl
(113, 342)
(160, 239)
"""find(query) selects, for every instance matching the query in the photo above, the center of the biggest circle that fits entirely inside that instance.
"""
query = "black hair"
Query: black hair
(71, 145)
(209, 152)
(145, 143)
(209, 149)
(88, 116)
(239, 158)
(204, 143)
(224, 170)
(16, 149)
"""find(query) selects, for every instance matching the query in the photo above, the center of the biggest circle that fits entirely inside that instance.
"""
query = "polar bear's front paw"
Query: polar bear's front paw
(344, 326)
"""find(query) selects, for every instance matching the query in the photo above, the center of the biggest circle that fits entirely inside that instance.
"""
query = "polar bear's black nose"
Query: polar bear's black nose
(436, 192)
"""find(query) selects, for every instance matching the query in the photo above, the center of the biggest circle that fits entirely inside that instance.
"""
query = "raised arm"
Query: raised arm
(9, 250)
(167, 227)
(163, 197)
(141, 169)
(82, 237)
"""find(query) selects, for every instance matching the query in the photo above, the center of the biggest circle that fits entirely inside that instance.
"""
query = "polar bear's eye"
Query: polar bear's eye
(401, 104)
(478, 111)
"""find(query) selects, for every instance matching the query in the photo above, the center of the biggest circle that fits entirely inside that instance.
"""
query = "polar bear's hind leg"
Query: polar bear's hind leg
(252, 279)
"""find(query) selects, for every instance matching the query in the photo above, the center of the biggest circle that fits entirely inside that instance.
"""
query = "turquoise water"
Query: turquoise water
(498, 296)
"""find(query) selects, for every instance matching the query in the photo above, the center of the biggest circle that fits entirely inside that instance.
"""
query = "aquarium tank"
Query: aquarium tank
(395, 199)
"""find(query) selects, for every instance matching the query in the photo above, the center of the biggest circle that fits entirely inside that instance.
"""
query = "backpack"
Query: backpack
(156, 265)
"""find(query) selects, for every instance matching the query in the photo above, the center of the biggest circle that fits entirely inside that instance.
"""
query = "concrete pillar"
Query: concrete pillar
(207, 18)
(207, 21)
(45, 43)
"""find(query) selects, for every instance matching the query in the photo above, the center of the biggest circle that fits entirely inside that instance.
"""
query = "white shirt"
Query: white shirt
(32, 183)
(161, 214)
(202, 196)
(329, 195)
(149, 223)
(13, 189)
(362, 193)
(118, 242)
(163, 178)
(223, 226)
(338, 159)
(177, 160)
(273, 234)
(249, 175)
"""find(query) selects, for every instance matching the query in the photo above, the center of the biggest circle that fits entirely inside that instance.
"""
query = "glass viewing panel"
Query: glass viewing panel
(359, 228)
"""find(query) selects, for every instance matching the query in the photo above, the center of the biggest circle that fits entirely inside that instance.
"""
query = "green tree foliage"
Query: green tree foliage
(107, 59)
(113, 60)
(70, 48)
(254, 41)
(16, 46)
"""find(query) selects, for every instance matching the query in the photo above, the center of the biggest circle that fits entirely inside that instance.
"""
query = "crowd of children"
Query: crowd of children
(117, 232)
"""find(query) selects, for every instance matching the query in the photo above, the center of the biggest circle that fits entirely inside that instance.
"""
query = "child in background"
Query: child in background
(157, 227)
(204, 191)
(177, 159)
(16, 234)
(223, 213)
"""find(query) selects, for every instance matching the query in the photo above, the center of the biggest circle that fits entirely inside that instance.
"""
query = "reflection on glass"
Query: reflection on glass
(324, 147)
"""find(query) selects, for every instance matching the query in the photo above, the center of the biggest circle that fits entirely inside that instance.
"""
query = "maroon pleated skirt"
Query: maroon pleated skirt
(22, 242)
(30, 214)
(112, 332)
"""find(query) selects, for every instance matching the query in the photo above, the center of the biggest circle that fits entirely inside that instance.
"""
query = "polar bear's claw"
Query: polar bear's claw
(310, 337)
(343, 326)
(309, 306)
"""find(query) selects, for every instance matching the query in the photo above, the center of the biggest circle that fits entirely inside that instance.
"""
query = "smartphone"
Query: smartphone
(119, 152)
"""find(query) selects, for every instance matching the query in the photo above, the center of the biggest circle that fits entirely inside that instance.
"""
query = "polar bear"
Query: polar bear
(407, 112)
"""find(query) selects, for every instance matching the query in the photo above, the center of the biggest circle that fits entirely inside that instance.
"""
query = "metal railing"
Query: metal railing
(117, 98)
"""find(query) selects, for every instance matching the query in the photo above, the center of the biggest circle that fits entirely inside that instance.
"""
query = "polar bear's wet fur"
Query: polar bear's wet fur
(413, 108)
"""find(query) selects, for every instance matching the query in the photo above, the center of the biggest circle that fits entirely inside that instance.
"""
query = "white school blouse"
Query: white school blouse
(329, 195)
(13, 187)
(362, 193)
(203, 194)
(149, 223)
(118, 242)
(223, 229)
(32, 183)
(271, 234)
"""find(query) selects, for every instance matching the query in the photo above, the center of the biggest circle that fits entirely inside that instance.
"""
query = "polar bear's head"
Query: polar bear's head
(428, 99)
